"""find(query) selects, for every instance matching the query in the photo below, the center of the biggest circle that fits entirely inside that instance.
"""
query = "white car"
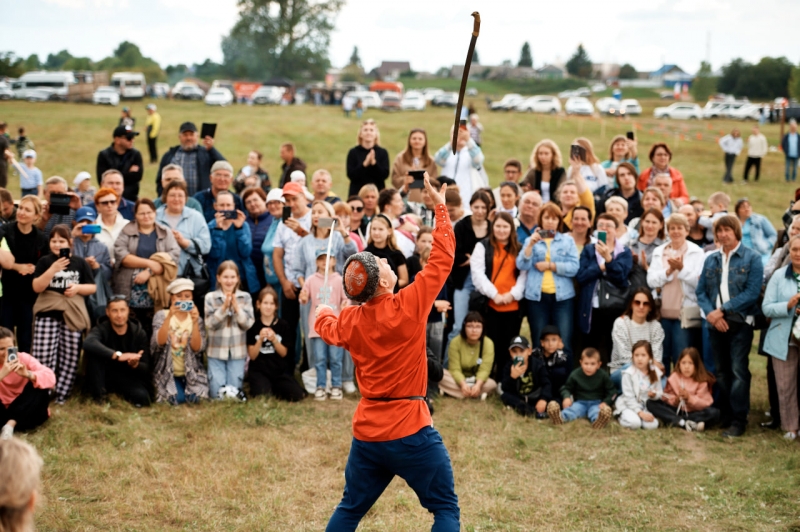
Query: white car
(369, 99)
(6, 93)
(413, 101)
(631, 107)
(583, 91)
(269, 95)
(105, 95)
(430, 94)
(604, 104)
(507, 102)
(566, 94)
(578, 105)
(680, 111)
(748, 111)
(598, 87)
(220, 96)
(540, 104)
(160, 89)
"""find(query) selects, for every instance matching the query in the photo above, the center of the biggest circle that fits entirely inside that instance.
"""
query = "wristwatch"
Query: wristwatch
(117, 355)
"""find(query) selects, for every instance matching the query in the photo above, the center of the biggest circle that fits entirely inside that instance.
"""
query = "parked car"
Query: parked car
(583, 91)
(430, 94)
(219, 96)
(268, 95)
(598, 87)
(413, 101)
(447, 99)
(105, 95)
(540, 104)
(666, 95)
(368, 99)
(721, 108)
(472, 91)
(391, 101)
(506, 103)
(41, 94)
(679, 111)
(604, 104)
(6, 93)
(40, 86)
(631, 107)
(750, 111)
(160, 89)
(578, 105)
(188, 92)
(566, 94)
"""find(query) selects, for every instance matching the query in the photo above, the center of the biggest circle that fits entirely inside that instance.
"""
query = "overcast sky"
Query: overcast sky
(427, 33)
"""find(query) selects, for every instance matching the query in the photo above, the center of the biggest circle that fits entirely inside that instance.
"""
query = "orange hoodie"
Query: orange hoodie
(679, 190)
(699, 393)
(386, 338)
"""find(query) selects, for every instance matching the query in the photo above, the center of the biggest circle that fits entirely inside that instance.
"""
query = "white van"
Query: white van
(369, 99)
(33, 85)
(129, 84)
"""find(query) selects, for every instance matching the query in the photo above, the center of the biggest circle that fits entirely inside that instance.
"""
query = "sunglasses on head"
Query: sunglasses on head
(118, 297)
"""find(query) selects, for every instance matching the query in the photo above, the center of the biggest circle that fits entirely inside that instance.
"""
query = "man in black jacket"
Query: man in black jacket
(117, 356)
(195, 160)
(290, 163)
(122, 156)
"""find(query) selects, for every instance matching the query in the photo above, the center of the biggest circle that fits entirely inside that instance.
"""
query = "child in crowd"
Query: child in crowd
(588, 393)
(552, 354)
(229, 314)
(82, 186)
(30, 177)
(268, 342)
(526, 385)
(718, 204)
(641, 381)
(383, 244)
(424, 242)
(325, 356)
(687, 400)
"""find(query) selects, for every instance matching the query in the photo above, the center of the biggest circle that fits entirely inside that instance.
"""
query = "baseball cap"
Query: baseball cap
(519, 341)
(292, 189)
(81, 177)
(297, 177)
(548, 330)
(125, 131)
(275, 194)
(125, 109)
(85, 214)
(29, 153)
(188, 126)
(150, 107)
(321, 252)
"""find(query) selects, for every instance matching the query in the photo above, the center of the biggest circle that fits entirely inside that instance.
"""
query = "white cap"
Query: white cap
(28, 153)
(81, 177)
(275, 194)
(298, 176)
(151, 106)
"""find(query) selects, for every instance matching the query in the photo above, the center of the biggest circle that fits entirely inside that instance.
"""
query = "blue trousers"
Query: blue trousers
(327, 357)
(579, 409)
(731, 352)
(676, 339)
(222, 372)
(420, 459)
(791, 169)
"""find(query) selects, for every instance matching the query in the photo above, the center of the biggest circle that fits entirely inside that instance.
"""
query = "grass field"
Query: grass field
(271, 466)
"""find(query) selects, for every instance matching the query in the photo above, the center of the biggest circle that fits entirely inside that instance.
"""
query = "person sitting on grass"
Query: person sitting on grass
(20, 469)
(526, 385)
(325, 356)
(25, 386)
(117, 356)
(641, 381)
(177, 348)
(555, 359)
(268, 342)
(687, 400)
(470, 360)
(587, 393)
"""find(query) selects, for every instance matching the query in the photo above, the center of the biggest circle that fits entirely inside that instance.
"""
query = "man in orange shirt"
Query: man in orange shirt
(393, 432)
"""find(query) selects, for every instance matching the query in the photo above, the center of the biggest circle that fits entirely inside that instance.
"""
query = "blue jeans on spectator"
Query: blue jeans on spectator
(731, 351)
(460, 309)
(791, 169)
(548, 311)
(579, 409)
(304, 312)
(420, 459)
(327, 357)
(616, 376)
(347, 367)
(705, 352)
(182, 397)
(222, 372)
(676, 339)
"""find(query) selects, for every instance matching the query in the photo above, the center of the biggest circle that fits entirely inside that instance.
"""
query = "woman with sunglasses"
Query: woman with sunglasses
(357, 233)
(367, 162)
(111, 222)
(639, 322)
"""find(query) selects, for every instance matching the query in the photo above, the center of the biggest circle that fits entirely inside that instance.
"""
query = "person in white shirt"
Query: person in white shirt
(590, 168)
(732, 146)
(756, 150)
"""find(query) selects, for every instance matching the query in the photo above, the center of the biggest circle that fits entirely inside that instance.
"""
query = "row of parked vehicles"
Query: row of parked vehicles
(730, 109)
(575, 105)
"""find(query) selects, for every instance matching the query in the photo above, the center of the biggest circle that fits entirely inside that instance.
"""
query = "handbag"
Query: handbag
(691, 318)
(96, 303)
(197, 272)
(479, 302)
(612, 297)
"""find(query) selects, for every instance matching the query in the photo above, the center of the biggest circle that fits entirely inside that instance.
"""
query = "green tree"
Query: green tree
(794, 83)
(525, 57)
(281, 38)
(11, 65)
(32, 63)
(730, 75)
(703, 85)
(128, 58)
(579, 65)
(767, 79)
(56, 61)
(627, 71)
(475, 59)
(355, 59)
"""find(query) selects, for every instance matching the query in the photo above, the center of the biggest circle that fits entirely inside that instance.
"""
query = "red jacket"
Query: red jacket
(386, 338)
(679, 190)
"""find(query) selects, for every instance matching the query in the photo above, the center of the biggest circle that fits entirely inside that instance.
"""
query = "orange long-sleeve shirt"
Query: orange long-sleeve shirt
(386, 338)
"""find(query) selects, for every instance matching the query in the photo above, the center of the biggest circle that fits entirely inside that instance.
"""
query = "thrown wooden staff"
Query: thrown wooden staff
(476, 29)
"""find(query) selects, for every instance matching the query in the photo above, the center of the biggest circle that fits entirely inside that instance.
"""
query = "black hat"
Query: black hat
(443, 180)
(548, 330)
(125, 131)
(519, 341)
(188, 126)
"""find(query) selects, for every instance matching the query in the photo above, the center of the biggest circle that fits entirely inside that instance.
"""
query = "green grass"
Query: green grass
(271, 466)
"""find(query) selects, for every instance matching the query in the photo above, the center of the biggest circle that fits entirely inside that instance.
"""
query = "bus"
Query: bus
(43, 85)
(130, 85)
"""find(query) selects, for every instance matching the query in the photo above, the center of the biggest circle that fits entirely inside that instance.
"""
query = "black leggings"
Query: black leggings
(283, 386)
(29, 409)
(666, 413)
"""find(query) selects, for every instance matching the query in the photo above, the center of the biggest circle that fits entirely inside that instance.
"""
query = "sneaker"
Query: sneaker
(7, 433)
(320, 394)
(349, 387)
(554, 413)
(241, 396)
(603, 417)
(690, 426)
(336, 394)
(701, 426)
(734, 431)
(484, 395)
(789, 436)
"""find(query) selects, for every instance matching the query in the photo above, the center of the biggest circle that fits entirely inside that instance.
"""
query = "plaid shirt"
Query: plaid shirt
(188, 161)
(227, 332)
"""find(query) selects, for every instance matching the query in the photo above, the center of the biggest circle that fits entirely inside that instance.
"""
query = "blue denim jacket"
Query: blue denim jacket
(780, 289)
(762, 234)
(564, 253)
(745, 272)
